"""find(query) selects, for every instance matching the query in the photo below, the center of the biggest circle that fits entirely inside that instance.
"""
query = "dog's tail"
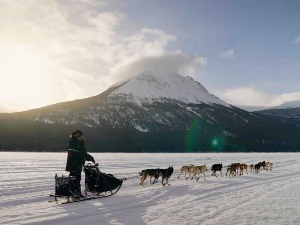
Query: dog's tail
(141, 173)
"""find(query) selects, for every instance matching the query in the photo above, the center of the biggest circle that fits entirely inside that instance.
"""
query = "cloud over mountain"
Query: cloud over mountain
(248, 96)
(82, 48)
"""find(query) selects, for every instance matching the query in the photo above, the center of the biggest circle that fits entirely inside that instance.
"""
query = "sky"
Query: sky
(245, 52)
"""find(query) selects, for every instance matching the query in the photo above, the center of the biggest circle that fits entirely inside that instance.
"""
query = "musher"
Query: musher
(77, 155)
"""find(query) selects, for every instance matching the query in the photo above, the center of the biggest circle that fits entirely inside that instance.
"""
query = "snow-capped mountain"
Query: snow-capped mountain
(150, 113)
(135, 102)
(147, 87)
(288, 112)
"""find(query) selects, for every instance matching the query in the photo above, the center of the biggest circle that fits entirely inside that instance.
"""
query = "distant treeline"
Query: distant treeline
(38, 137)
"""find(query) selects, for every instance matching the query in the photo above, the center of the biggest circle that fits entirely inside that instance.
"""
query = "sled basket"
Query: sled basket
(107, 182)
(98, 182)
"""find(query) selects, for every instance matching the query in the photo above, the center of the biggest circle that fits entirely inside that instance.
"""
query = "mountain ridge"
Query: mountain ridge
(286, 105)
(288, 112)
(149, 113)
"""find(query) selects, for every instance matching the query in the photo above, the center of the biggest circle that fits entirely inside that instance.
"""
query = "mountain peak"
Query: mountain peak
(148, 87)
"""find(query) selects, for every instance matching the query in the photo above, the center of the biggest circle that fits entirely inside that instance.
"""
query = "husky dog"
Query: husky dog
(262, 165)
(149, 172)
(185, 170)
(257, 167)
(215, 168)
(232, 169)
(166, 174)
(242, 168)
(269, 166)
(251, 168)
(197, 170)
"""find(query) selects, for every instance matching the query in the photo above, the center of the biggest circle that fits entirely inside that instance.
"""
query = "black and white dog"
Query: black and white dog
(166, 174)
(215, 168)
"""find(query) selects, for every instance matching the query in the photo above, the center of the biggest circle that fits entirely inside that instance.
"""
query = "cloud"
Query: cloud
(228, 54)
(81, 50)
(247, 96)
(164, 64)
(296, 40)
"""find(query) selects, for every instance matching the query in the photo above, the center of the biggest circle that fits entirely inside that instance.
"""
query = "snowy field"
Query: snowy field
(26, 180)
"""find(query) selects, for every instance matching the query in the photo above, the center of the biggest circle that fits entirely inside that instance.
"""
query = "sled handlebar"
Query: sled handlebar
(90, 164)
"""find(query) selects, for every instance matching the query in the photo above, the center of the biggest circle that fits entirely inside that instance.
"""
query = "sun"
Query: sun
(22, 76)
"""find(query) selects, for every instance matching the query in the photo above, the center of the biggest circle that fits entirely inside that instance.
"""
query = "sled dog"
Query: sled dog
(149, 172)
(166, 174)
(185, 170)
(197, 170)
(215, 168)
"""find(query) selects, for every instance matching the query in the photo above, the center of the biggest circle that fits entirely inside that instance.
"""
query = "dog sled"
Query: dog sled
(97, 185)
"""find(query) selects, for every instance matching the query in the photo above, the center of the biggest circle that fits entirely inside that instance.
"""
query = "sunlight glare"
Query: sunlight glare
(22, 76)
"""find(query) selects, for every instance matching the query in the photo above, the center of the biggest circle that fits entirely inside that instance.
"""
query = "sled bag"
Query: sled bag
(107, 182)
(64, 186)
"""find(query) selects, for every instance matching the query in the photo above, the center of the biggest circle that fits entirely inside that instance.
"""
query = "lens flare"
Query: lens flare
(193, 136)
(217, 143)
(214, 143)
(198, 137)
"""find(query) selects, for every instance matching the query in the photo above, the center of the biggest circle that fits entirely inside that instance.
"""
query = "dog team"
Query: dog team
(237, 168)
(195, 171)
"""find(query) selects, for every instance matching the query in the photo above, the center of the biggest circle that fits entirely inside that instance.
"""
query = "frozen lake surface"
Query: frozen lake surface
(269, 197)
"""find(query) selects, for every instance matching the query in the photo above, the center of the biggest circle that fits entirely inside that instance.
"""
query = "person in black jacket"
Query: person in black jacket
(77, 155)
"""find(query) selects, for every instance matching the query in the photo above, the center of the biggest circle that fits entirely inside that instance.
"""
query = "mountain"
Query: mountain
(288, 105)
(148, 113)
(287, 112)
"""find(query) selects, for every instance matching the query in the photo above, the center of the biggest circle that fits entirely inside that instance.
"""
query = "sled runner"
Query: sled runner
(97, 185)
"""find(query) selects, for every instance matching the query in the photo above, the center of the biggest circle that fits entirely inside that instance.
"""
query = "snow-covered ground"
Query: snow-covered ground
(26, 179)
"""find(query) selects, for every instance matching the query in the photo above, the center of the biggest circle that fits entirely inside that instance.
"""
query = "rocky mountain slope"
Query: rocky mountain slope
(288, 112)
(149, 113)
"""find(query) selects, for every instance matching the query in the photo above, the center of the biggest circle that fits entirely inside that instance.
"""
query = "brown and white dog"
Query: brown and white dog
(251, 168)
(242, 168)
(269, 166)
(232, 169)
(197, 170)
(185, 170)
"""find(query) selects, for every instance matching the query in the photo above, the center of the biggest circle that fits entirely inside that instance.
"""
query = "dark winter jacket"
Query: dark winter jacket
(76, 155)
(83, 152)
